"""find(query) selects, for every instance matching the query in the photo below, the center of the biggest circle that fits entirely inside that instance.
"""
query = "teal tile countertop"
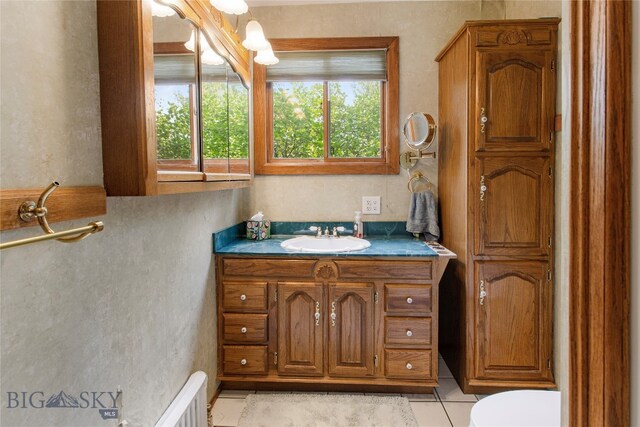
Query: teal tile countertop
(387, 239)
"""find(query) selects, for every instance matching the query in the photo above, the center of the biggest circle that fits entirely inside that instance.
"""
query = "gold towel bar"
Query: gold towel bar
(85, 231)
(31, 210)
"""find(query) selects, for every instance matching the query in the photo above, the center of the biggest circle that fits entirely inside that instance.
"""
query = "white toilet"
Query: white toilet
(522, 408)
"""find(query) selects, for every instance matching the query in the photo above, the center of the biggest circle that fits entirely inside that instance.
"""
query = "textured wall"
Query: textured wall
(424, 28)
(133, 306)
(635, 221)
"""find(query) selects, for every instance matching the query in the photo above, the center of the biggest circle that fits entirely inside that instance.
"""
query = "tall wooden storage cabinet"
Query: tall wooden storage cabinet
(497, 95)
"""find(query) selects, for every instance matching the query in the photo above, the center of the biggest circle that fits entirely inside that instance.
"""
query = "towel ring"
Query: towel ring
(416, 177)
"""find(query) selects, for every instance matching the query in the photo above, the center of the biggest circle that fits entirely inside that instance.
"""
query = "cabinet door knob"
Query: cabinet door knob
(409, 366)
(483, 119)
(243, 362)
(243, 297)
(333, 314)
(409, 300)
(483, 292)
(409, 333)
(243, 330)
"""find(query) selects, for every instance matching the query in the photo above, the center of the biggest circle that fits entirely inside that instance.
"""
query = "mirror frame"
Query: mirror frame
(428, 139)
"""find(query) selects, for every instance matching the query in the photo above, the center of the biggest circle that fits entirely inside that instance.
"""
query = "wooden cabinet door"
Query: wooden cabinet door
(515, 105)
(513, 329)
(351, 329)
(514, 200)
(301, 312)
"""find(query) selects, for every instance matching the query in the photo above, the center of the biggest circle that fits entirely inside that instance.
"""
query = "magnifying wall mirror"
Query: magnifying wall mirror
(419, 131)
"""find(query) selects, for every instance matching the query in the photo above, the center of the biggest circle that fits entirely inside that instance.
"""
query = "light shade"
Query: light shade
(210, 57)
(234, 7)
(191, 43)
(255, 39)
(266, 56)
(160, 10)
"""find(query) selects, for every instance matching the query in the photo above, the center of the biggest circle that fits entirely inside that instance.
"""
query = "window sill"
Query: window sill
(337, 168)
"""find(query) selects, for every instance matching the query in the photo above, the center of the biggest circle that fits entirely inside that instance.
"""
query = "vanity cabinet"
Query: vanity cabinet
(497, 97)
(173, 120)
(331, 323)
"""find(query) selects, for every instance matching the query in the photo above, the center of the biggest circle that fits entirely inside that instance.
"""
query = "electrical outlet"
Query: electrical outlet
(371, 205)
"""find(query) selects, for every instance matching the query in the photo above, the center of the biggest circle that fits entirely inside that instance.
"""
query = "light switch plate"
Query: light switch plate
(371, 205)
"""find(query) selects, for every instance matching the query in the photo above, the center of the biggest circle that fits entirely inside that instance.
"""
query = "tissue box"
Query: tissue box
(258, 230)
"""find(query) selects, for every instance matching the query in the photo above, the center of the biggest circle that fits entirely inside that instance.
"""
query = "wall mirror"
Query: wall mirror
(176, 99)
(215, 110)
(201, 104)
(238, 123)
(419, 131)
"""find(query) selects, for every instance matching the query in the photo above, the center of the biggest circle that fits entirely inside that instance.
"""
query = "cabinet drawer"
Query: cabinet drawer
(408, 364)
(407, 330)
(244, 295)
(380, 269)
(407, 300)
(245, 359)
(245, 328)
(268, 267)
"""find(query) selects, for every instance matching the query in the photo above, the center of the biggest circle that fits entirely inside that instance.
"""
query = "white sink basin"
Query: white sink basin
(325, 244)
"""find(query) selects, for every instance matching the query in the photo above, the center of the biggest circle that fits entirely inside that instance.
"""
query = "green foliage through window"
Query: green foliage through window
(354, 119)
(221, 117)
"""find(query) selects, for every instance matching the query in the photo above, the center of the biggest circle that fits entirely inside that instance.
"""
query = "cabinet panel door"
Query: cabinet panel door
(351, 329)
(513, 206)
(514, 310)
(515, 106)
(300, 324)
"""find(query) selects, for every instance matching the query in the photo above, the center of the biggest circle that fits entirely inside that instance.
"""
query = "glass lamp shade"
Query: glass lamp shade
(191, 43)
(234, 7)
(210, 57)
(255, 39)
(266, 56)
(160, 10)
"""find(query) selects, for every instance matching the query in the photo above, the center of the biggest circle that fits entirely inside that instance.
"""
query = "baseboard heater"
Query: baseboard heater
(189, 408)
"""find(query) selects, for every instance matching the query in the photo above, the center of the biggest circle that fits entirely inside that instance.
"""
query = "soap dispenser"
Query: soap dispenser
(357, 226)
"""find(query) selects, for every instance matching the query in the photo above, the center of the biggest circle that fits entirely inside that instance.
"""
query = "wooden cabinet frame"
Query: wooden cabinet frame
(125, 46)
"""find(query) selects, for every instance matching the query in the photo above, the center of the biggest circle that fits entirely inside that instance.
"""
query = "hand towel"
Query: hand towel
(423, 215)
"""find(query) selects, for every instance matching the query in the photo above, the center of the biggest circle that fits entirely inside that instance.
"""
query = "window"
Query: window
(330, 106)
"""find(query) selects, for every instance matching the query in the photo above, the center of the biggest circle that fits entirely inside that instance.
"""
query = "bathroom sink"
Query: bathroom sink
(325, 244)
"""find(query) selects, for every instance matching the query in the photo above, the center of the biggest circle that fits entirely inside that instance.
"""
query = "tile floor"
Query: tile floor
(447, 407)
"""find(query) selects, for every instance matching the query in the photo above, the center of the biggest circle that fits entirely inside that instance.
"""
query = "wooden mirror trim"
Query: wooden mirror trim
(599, 366)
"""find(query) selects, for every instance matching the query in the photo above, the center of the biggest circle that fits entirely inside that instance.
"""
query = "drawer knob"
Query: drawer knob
(409, 366)
(243, 330)
(409, 333)
(409, 300)
(244, 362)
(243, 297)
